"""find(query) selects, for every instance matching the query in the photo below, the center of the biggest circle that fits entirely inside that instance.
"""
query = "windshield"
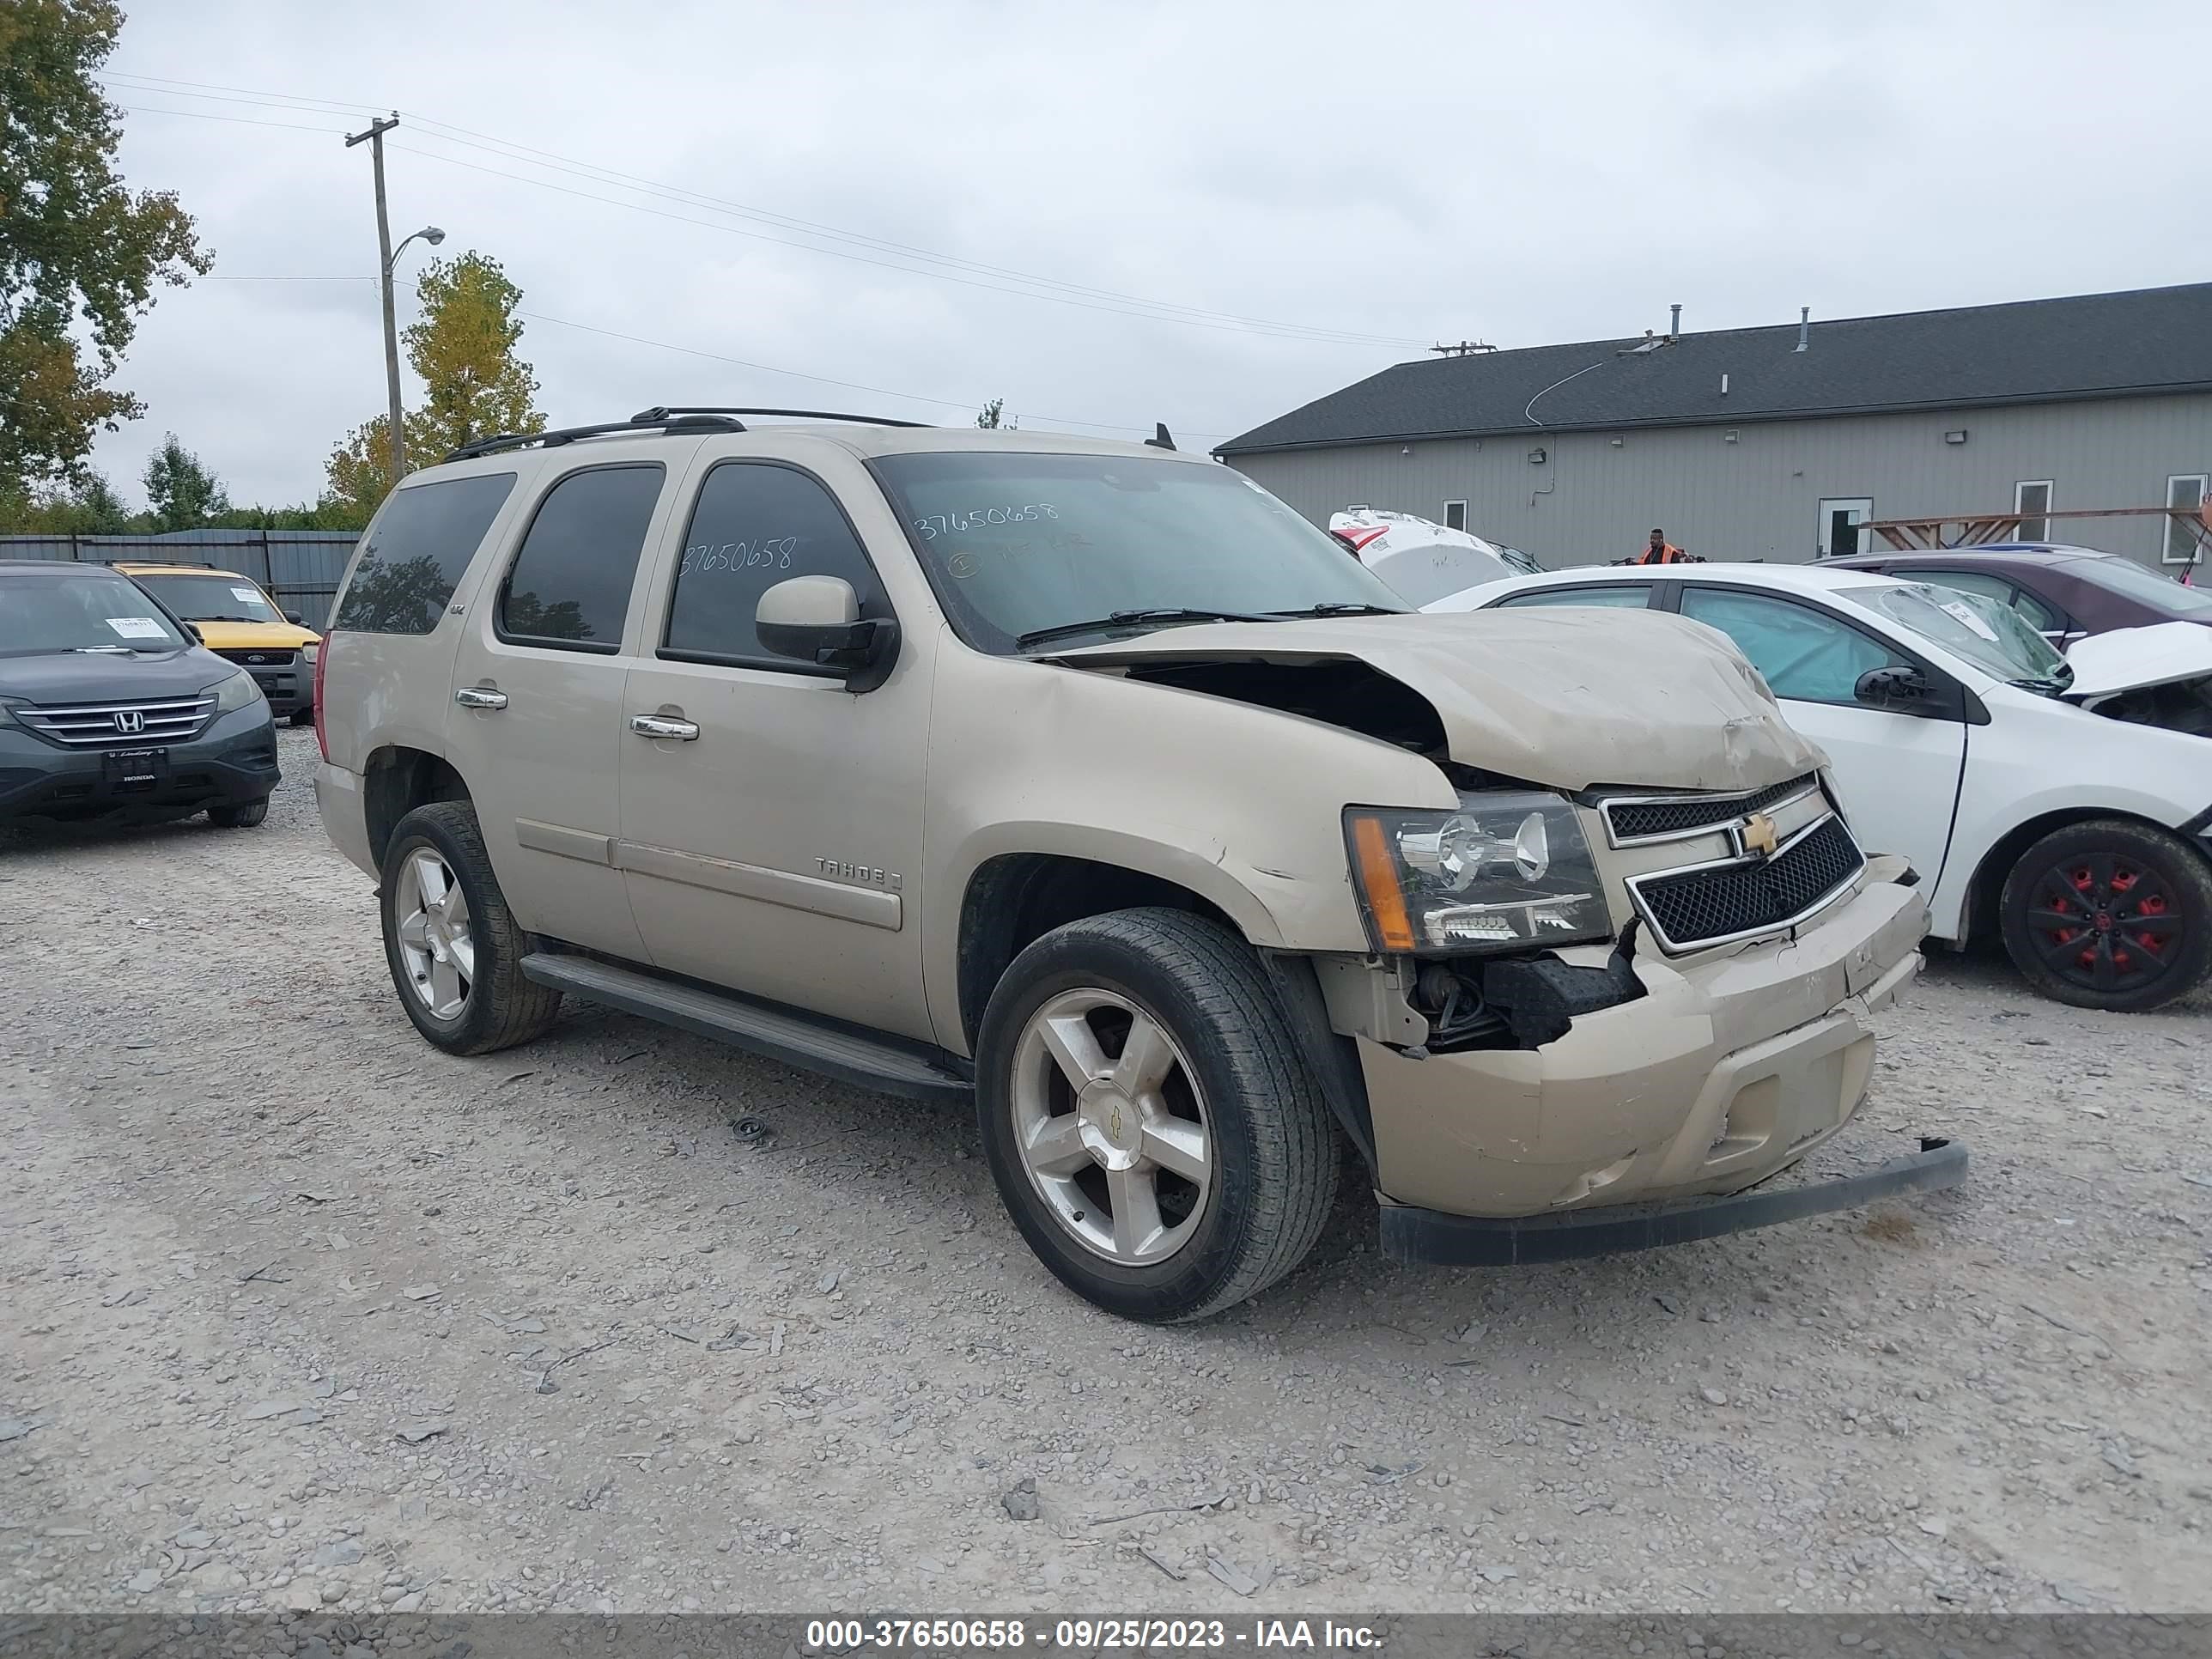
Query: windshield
(1995, 638)
(1017, 543)
(2124, 577)
(90, 611)
(212, 599)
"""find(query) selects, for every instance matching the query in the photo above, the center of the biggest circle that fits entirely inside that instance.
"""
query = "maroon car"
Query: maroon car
(2065, 593)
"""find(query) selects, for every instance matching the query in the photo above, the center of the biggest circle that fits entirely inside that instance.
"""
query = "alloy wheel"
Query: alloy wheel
(435, 940)
(1111, 1126)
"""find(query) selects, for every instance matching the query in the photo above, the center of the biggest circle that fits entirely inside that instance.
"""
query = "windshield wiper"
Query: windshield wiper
(1340, 608)
(237, 619)
(1114, 619)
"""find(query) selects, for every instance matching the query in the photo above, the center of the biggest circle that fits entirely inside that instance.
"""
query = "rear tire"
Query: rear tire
(2111, 914)
(453, 947)
(240, 815)
(1198, 1163)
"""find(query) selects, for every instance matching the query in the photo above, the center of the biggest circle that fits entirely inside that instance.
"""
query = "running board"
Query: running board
(850, 1056)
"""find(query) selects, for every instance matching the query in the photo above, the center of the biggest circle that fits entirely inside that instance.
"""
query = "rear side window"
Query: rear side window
(570, 586)
(415, 554)
(757, 525)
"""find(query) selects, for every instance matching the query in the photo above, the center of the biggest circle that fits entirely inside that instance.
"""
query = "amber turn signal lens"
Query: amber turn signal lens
(1378, 882)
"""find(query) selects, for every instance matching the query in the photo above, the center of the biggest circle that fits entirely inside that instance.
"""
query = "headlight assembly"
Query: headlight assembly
(237, 692)
(1507, 871)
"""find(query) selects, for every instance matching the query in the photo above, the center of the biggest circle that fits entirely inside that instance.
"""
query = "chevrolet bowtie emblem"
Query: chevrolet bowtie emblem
(1759, 835)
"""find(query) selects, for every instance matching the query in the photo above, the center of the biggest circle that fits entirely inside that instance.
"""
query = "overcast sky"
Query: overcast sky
(1407, 172)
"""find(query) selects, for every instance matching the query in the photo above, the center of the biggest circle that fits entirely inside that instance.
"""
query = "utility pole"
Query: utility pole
(374, 137)
(1463, 348)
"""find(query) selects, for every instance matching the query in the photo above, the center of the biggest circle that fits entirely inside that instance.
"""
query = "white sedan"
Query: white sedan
(2064, 803)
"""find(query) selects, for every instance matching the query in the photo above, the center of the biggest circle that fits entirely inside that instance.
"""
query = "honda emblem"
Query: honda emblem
(129, 721)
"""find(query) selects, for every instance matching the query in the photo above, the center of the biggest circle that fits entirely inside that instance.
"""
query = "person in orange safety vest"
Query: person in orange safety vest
(1661, 551)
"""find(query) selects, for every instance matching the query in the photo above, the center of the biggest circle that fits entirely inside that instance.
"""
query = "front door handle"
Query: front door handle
(480, 696)
(660, 726)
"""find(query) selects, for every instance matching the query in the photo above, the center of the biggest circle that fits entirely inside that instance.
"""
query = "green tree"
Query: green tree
(89, 507)
(79, 254)
(462, 347)
(180, 492)
(993, 415)
(358, 474)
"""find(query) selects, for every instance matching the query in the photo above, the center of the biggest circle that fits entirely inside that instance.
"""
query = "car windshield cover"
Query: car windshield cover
(1017, 543)
(1995, 638)
(2131, 581)
(212, 599)
(90, 611)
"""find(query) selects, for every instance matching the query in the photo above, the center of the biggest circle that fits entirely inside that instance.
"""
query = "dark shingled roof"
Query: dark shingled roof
(2089, 345)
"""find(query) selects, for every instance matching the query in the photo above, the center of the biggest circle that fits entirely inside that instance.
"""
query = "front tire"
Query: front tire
(453, 948)
(1151, 1127)
(2111, 914)
(302, 717)
(240, 815)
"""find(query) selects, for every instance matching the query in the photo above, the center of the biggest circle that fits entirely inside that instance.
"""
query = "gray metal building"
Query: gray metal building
(1776, 443)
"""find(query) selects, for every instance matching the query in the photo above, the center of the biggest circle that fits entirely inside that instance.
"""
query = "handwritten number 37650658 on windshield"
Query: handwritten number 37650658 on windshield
(951, 523)
(763, 553)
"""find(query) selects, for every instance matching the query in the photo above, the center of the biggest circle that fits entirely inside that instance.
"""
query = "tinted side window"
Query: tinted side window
(570, 586)
(414, 555)
(756, 525)
(1802, 653)
(1620, 596)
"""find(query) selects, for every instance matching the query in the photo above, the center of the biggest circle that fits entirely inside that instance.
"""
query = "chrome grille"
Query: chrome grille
(120, 724)
(1630, 820)
(1741, 898)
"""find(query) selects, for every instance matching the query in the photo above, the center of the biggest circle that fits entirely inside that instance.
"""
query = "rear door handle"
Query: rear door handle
(660, 726)
(480, 696)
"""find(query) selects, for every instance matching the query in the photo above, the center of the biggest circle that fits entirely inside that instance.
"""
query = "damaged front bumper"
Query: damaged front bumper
(1637, 1118)
(1436, 1239)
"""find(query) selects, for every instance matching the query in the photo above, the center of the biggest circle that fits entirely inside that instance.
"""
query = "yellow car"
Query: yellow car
(239, 621)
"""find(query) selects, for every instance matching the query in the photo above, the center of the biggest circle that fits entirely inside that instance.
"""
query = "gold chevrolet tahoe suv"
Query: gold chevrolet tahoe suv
(1090, 781)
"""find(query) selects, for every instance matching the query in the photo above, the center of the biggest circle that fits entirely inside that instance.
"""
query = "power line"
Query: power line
(858, 258)
(740, 363)
(1058, 291)
(237, 120)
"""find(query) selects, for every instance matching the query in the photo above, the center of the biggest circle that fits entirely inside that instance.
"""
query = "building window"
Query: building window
(1455, 515)
(2031, 499)
(2185, 490)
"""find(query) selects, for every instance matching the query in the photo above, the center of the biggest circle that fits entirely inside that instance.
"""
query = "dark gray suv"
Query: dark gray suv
(111, 708)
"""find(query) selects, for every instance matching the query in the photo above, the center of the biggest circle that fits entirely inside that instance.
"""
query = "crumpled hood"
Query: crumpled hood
(2131, 659)
(1554, 695)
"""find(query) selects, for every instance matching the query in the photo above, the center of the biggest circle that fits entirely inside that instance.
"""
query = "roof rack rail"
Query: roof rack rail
(651, 421)
(662, 412)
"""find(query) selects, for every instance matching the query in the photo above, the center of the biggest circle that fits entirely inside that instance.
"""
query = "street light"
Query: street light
(429, 233)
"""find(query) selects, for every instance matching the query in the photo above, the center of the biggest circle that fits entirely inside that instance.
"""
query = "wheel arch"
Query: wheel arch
(1978, 915)
(1013, 899)
(395, 780)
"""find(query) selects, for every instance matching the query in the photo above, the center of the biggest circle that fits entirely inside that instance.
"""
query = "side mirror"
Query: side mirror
(193, 630)
(816, 619)
(1892, 688)
(295, 619)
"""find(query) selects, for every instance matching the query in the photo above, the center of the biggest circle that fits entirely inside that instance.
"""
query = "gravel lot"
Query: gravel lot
(303, 1313)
